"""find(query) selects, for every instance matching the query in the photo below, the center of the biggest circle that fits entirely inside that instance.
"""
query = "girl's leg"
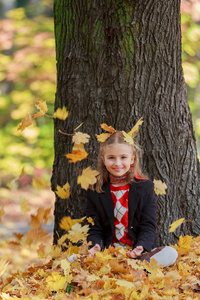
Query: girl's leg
(166, 256)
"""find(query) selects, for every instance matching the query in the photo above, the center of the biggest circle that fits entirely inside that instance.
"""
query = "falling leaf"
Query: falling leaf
(63, 192)
(41, 251)
(108, 128)
(176, 224)
(24, 205)
(87, 178)
(42, 215)
(39, 183)
(2, 212)
(80, 137)
(66, 222)
(103, 137)
(3, 265)
(78, 147)
(78, 232)
(56, 282)
(135, 129)
(27, 121)
(61, 113)
(76, 155)
(42, 106)
(90, 220)
(128, 138)
(159, 187)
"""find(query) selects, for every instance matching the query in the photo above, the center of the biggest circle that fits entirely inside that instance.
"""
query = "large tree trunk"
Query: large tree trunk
(118, 61)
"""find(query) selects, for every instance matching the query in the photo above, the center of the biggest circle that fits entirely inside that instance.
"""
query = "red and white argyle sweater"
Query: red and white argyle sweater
(120, 204)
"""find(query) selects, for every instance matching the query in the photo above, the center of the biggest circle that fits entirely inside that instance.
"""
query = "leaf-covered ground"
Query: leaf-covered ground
(31, 268)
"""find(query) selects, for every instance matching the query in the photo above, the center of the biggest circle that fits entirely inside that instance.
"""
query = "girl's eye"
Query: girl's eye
(123, 157)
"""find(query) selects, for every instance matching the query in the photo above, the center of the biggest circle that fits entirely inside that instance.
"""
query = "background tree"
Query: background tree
(116, 62)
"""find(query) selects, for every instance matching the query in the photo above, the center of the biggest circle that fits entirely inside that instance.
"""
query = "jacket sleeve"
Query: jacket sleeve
(95, 234)
(147, 236)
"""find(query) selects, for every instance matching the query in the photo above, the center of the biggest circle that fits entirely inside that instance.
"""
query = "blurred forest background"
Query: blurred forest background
(28, 74)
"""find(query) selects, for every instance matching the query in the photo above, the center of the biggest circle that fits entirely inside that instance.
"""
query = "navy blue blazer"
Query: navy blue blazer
(141, 215)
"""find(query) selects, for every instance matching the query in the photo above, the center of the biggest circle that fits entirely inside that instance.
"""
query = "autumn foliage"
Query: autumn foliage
(31, 268)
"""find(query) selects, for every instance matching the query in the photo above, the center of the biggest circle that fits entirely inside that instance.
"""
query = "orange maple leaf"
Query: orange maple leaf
(88, 177)
(108, 128)
(76, 155)
(27, 121)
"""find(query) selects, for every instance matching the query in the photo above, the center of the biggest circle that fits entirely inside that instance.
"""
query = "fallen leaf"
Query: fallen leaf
(56, 282)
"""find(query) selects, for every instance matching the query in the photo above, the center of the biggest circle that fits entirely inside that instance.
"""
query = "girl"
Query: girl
(123, 204)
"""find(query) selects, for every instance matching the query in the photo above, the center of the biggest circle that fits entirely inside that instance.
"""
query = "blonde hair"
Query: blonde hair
(117, 138)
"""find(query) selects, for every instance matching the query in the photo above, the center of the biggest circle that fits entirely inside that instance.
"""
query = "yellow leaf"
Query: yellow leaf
(103, 137)
(65, 265)
(128, 138)
(159, 187)
(24, 205)
(76, 155)
(174, 225)
(2, 212)
(63, 192)
(79, 147)
(27, 121)
(80, 137)
(42, 106)
(61, 113)
(87, 178)
(66, 222)
(78, 232)
(3, 265)
(108, 128)
(41, 251)
(56, 282)
(135, 129)
(39, 183)
(125, 284)
(90, 220)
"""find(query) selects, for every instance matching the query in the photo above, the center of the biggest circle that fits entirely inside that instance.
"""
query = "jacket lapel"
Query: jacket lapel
(106, 200)
(133, 199)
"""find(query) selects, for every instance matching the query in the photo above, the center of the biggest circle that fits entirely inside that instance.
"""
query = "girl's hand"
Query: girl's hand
(135, 252)
(92, 251)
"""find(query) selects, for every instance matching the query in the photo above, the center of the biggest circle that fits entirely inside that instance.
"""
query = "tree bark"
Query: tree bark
(116, 62)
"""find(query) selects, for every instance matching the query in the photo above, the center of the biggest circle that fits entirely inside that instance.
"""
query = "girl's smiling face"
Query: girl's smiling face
(118, 158)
